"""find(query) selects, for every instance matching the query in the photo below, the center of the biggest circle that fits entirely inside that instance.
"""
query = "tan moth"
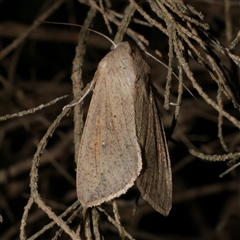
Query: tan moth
(123, 140)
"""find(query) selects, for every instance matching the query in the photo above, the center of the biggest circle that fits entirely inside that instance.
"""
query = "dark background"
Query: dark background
(39, 70)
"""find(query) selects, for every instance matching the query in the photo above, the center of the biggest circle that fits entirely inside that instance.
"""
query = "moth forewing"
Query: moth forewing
(155, 180)
(123, 135)
(109, 159)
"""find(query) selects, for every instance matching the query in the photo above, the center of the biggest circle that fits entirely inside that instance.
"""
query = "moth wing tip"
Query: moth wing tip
(97, 202)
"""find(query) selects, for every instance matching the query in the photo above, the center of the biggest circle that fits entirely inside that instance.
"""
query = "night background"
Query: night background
(36, 62)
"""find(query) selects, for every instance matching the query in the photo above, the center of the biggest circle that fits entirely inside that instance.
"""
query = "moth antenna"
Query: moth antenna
(156, 59)
(91, 30)
(78, 25)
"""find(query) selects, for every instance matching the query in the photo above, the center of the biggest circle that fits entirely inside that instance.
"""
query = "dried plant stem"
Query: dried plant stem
(117, 218)
(115, 223)
(122, 28)
(51, 224)
(220, 121)
(215, 158)
(76, 77)
(32, 110)
(34, 172)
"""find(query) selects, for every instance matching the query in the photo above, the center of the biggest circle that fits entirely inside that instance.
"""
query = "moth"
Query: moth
(123, 139)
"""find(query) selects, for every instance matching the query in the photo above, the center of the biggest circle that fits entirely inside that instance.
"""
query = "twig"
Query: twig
(215, 158)
(117, 218)
(32, 110)
(51, 224)
(122, 28)
(110, 219)
(230, 169)
(34, 172)
(77, 82)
